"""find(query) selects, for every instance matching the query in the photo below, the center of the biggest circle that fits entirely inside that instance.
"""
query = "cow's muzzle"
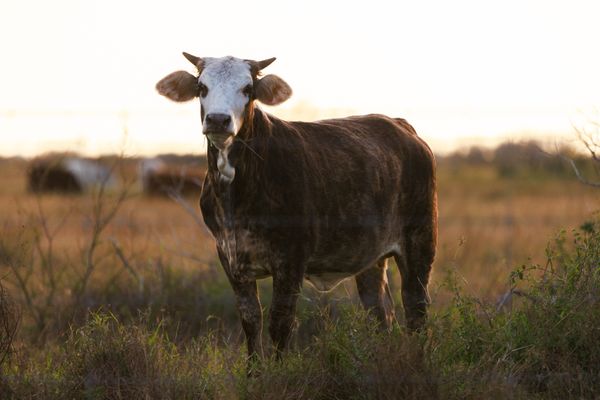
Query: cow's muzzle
(220, 140)
(218, 129)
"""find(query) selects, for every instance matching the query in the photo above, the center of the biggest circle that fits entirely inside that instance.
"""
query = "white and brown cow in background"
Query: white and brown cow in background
(67, 174)
(320, 201)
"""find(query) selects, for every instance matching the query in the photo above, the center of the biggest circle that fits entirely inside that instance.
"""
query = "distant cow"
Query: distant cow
(321, 201)
(66, 175)
(160, 179)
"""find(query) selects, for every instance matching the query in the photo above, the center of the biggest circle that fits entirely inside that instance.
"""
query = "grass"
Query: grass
(543, 346)
(154, 317)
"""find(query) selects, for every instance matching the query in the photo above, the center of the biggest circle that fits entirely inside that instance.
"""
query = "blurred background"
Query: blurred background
(75, 74)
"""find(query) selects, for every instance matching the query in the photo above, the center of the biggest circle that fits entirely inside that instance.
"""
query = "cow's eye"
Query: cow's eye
(202, 89)
(247, 90)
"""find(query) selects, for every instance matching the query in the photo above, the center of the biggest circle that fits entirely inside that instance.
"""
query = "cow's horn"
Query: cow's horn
(265, 63)
(197, 61)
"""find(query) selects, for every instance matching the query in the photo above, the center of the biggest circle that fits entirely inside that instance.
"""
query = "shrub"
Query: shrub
(349, 358)
(546, 344)
(105, 359)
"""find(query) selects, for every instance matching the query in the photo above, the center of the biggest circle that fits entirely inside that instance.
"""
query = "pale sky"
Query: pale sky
(74, 73)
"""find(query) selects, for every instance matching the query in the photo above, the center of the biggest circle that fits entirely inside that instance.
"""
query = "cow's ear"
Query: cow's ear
(178, 86)
(272, 90)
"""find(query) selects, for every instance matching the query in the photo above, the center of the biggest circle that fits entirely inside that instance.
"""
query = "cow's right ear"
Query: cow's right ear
(178, 86)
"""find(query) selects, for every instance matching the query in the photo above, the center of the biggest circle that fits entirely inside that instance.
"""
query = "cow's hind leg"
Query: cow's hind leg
(415, 266)
(374, 293)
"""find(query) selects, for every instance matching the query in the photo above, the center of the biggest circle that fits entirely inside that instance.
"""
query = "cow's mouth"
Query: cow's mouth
(220, 140)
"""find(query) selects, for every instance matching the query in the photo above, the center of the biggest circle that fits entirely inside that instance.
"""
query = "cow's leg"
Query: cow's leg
(248, 305)
(374, 293)
(286, 289)
(415, 266)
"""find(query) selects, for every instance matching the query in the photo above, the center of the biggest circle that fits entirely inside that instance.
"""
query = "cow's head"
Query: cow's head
(226, 87)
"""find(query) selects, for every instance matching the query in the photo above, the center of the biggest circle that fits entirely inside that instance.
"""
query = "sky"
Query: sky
(79, 75)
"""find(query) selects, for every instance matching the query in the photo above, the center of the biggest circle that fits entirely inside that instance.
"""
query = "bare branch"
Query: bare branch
(185, 254)
(22, 284)
(178, 198)
(126, 264)
(9, 322)
(100, 220)
(505, 300)
(578, 173)
(589, 142)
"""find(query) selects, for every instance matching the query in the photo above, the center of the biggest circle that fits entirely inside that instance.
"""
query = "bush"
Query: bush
(349, 358)
(547, 344)
(106, 359)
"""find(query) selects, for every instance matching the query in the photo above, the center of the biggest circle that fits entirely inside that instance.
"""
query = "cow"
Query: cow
(318, 201)
(67, 174)
(161, 179)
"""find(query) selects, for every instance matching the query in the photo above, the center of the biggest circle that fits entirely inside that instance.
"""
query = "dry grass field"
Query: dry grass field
(488, 224)
(64, 258)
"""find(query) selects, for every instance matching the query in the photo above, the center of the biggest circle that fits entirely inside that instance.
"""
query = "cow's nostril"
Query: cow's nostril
(217, 122)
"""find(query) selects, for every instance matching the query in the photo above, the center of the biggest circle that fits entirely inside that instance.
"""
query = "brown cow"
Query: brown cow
(321, 201)
(161, 179)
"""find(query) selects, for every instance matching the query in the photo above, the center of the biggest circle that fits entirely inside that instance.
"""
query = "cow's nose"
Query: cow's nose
(217, 123)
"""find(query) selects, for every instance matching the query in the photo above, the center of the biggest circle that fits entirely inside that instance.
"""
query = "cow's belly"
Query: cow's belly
(324, 282)
(325, 273)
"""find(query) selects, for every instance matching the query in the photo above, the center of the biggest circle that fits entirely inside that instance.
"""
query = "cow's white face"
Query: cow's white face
(226, 86)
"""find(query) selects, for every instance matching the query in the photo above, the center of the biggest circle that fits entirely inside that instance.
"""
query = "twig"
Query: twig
(101, 219)
(178, 198)
(123, 259)
(9, 322)
(249, 148)
(185, 254)
(506, 298)
(580, 177)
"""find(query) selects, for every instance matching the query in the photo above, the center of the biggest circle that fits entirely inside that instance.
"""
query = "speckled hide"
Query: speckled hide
(323, 201)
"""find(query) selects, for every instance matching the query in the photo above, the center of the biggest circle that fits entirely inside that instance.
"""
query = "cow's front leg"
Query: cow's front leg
(286, 289)
(248, 304)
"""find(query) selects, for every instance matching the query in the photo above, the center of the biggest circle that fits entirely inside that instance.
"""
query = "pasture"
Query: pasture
(121, 295)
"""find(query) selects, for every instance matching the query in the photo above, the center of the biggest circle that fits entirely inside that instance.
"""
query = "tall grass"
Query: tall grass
(540, 344)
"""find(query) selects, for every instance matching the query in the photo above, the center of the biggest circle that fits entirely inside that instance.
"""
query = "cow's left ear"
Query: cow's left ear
(272, 90)
(178, 86)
